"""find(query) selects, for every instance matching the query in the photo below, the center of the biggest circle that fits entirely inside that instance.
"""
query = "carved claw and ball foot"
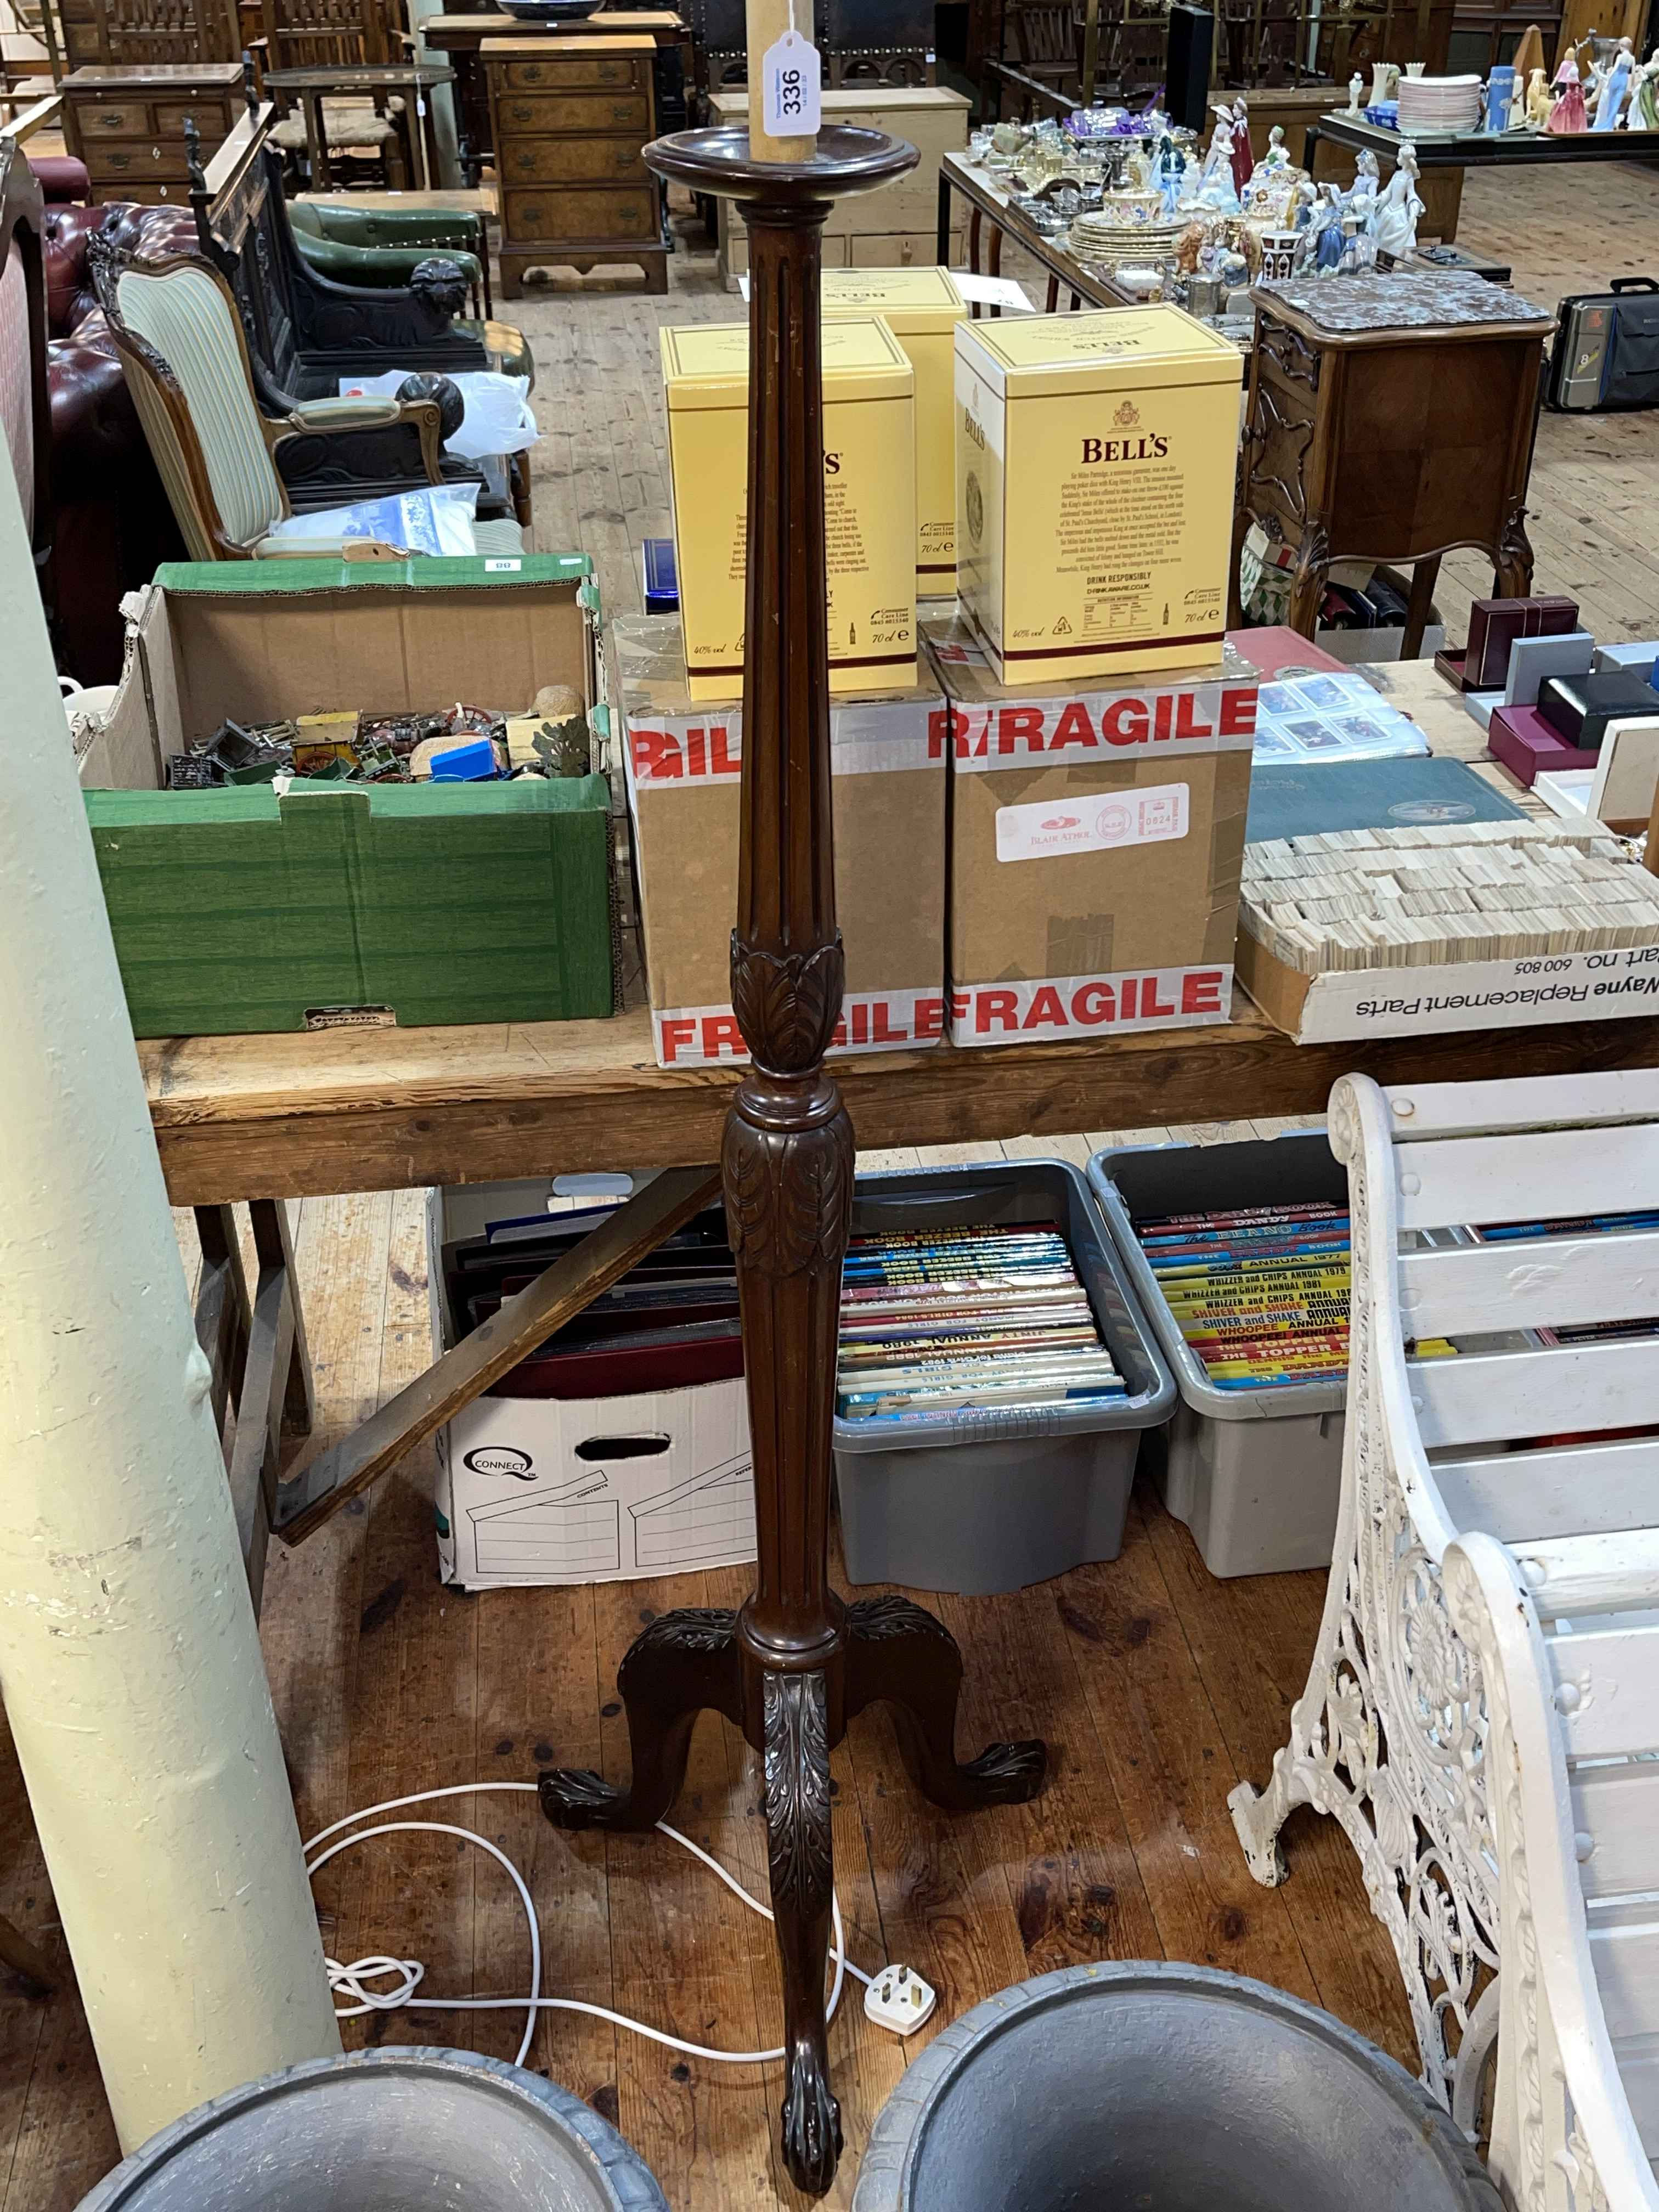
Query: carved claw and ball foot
(683, 1664)
(800, 1860)
(809, 2121)
(898, 1654)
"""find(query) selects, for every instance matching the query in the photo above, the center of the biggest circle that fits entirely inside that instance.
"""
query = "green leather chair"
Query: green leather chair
(370, 245)
(382, 247)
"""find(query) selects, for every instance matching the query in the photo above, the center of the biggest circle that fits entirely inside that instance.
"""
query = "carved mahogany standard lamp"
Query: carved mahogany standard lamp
(795, 1663)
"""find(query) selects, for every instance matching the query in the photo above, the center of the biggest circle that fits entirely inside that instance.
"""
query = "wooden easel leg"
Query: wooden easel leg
(898, 1653)
(274, 1243)
(223, 1310)
(276, 1383)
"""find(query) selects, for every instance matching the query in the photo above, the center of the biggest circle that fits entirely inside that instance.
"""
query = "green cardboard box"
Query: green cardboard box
(237, 910)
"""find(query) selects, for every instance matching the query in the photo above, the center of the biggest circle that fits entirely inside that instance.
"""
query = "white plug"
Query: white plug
(898, 1998)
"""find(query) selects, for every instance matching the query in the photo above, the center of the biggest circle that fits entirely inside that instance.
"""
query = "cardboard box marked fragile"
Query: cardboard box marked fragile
(1097, 836)
(683, 760)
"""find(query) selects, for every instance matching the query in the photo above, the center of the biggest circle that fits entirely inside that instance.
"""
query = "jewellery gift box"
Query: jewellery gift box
(1528, 747)
(1494, 626)
(1580, 707)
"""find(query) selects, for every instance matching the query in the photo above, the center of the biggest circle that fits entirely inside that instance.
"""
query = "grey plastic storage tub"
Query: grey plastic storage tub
(990, 1500)
(1256, 1474)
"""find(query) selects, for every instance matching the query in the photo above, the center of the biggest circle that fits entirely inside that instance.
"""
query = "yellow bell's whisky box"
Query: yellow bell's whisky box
(1095, 841)
(1095, 463)
(870, 501)
(922, 307)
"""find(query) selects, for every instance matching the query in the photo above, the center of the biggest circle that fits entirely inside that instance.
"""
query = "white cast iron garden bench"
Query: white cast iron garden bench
(1518, 1442)
(1573, 1787)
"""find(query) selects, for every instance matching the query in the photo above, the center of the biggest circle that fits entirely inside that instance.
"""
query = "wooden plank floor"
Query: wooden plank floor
(1156, 1687)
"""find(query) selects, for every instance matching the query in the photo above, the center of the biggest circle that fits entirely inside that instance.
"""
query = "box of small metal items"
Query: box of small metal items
(360, 800)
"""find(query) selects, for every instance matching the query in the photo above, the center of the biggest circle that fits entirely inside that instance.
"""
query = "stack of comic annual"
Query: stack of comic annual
(1261, 1293)
(945, 1320)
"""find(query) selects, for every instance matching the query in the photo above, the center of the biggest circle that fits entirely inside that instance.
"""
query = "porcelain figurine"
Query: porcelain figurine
(1538, 101)
(1355, 89)
(1366, 186)
(1614, 88)
(1216, 188)
(1567, 115)
(1320, 246)
(1359, 254)
(1644, 113)
(1275, 157)
(1244, 159)
(1394, 228)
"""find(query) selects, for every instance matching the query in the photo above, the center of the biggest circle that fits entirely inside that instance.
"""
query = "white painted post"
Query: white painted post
(128, 1657)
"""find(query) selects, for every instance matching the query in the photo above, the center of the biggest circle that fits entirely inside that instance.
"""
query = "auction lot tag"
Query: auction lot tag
(791, 76)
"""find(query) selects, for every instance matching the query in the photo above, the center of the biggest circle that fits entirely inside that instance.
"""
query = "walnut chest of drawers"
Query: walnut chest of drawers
(128, 124)
(570, 120)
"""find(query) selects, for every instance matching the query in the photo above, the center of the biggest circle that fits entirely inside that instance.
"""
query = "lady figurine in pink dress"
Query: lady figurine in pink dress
(1568, 112)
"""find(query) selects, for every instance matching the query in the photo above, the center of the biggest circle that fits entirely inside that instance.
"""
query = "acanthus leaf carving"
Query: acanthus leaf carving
(787, 1004)
(788, 1193)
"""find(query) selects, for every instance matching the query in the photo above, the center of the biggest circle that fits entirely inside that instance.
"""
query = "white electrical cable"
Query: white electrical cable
(352, 1981)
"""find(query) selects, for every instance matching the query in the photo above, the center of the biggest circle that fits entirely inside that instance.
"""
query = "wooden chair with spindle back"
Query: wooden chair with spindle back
(342, 34)
(146, 34)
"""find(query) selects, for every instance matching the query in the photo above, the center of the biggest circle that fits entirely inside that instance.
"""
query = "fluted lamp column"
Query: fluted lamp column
(795, 1662)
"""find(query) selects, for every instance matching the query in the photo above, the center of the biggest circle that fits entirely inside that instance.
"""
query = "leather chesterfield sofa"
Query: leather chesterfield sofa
(112, 521)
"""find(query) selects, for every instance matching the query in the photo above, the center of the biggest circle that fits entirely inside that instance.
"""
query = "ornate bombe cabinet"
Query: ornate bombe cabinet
(1391, 418)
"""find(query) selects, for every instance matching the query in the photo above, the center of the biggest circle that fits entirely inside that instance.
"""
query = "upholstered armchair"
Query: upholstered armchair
(231, 472)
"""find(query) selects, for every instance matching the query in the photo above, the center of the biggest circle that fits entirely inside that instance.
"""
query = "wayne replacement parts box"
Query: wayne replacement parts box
(922, 307)
(580, 1490)
(869, 491)
(684, 768)
(1095, 463)
(1097, 837)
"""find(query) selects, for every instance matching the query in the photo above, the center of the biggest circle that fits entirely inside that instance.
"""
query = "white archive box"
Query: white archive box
(579, 1490)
